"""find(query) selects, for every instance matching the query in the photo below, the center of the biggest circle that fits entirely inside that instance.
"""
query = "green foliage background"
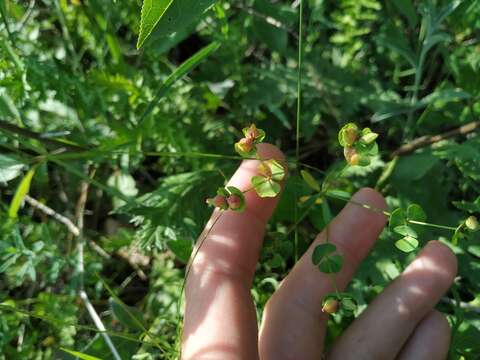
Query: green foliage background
(80, 103)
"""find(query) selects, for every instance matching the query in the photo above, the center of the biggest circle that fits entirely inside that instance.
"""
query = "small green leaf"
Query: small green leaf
(407, 244)
(310, 180)
(348, 303)
(397, 218)
(20, 194)
(10, 168)
(331, 264)
(265, 187)
(321, 251)
(277, 169)
(129, 316)
(405, 230)
(187, 66)
(416, 213)
(368, 137)
(152, 12)
(79, 354)
(7, 107)
(181, 248)
(276, 262)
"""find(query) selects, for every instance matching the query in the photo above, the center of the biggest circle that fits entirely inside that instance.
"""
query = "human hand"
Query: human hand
(220, 320)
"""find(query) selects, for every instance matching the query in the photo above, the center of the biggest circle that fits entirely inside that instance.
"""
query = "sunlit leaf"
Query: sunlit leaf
(310, 180)
(80, 355)
(407, 244)
(265, 187)
(152, 12)
(22, 191)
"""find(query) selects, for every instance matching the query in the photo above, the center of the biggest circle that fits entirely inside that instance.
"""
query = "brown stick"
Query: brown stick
(431, 139)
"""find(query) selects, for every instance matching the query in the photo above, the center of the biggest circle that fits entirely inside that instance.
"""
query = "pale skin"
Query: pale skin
(220, 320)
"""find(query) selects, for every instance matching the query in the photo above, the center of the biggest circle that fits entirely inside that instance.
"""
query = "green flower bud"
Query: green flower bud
(472, 223)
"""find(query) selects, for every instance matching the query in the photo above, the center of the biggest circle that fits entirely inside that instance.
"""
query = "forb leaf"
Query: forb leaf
(405, 230)
(10, 168)
(407, 244)
(416, 213)
(181, 248)
(348, 304)
(129, 316)
(310, 180)
(397, 218)
(276, 169)
(265, 187)
(368, 136)
(321, 251)
(331, 264)
(152, 12)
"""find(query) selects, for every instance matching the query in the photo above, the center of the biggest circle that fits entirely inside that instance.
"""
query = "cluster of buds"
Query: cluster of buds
(229, 198)
(246, 145)
(358, 145)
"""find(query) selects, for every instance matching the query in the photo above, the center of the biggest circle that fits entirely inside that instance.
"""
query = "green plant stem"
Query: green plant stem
(5, 22)
(388, 214)
(299, 108)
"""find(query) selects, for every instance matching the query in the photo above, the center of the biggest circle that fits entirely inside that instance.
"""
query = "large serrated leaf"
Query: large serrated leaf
(180, 14)
(152, 12)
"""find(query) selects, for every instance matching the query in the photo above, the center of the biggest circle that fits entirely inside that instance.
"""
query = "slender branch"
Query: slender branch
(77, 232)
(99, 324)
(50, 212)
(463, 305)
(431, 139)
(79, 213)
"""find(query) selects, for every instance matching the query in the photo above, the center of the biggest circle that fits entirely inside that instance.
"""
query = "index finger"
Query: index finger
(220, 320)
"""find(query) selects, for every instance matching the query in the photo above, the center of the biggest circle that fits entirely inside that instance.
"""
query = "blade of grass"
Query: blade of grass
(20, 194)
(299, 108)
(179, 73)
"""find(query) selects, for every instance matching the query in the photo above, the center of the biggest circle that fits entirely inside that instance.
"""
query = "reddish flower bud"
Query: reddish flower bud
(252, 132)
(234, 202)
(246, 144)
(351, 155)
(350, 136)
(265, 170)
(218, 201)
(330, 306)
